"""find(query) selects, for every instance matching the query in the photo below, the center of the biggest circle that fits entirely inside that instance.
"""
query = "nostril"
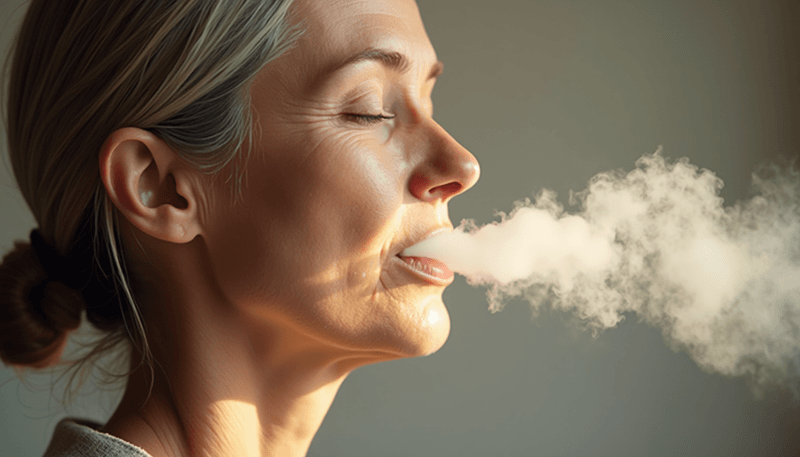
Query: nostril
(446, 190)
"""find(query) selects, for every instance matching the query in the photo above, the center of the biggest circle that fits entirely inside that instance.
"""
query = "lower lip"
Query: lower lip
(432, 270)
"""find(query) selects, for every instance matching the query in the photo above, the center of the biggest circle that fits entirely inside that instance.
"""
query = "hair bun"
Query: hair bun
(36, 314)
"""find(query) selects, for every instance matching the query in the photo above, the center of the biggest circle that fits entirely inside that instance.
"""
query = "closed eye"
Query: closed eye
(368, 119)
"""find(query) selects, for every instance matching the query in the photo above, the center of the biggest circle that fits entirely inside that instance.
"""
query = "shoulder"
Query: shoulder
(81, 438)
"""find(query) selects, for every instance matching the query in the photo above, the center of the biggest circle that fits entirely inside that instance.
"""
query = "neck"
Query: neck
(224, 389)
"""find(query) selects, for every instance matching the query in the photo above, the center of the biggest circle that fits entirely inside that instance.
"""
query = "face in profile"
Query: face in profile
(347, 169)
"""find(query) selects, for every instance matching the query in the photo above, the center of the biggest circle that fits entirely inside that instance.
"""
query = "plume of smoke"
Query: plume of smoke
(723, 283)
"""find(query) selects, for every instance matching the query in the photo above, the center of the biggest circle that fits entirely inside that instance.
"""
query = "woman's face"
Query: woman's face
(347, 169)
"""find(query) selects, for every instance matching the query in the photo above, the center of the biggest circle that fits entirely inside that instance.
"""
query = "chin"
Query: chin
(431, 330)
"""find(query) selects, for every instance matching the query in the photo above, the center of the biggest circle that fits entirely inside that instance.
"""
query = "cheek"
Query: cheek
(312, 221)
(366, 169)
(358, 186)
(360, 196)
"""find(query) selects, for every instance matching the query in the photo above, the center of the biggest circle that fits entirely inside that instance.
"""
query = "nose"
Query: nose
(446, 169)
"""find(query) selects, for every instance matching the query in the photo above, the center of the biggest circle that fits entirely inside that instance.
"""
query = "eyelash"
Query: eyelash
(369, 119)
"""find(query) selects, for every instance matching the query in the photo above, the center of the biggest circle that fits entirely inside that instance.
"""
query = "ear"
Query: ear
(150, 185)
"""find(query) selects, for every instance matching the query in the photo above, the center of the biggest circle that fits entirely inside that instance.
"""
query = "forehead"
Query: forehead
(335, 30)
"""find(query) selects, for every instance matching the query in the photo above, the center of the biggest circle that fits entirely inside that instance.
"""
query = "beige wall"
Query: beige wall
(547, 94)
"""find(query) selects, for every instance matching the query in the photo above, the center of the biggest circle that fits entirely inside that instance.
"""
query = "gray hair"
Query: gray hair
(81, 69)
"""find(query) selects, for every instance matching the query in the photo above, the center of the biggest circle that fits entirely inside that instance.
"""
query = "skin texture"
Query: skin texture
(257, 310)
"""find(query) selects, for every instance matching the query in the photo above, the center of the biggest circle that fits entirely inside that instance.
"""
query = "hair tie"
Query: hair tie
(56, 267)
(79, 270)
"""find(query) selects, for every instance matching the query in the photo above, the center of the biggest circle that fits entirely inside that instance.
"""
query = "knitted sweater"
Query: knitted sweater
(81, 438)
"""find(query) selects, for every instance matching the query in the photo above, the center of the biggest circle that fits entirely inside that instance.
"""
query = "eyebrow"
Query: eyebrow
(390, 59)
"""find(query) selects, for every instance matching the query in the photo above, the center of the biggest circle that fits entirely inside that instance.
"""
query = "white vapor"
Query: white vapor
(723, 283)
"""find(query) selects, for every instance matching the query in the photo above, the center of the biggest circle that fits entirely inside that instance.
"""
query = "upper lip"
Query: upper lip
(417, 239)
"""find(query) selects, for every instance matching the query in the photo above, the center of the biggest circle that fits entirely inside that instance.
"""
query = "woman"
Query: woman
(256, 170)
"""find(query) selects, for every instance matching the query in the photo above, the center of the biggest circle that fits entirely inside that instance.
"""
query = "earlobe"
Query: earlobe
(142, 176)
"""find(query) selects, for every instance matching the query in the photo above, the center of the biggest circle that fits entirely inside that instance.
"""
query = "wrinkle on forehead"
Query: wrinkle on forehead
(337, 27)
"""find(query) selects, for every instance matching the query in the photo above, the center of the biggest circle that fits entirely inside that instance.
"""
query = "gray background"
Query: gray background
(547, 94)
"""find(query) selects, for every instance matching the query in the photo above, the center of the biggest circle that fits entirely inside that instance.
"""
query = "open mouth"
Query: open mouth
(434, 271)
